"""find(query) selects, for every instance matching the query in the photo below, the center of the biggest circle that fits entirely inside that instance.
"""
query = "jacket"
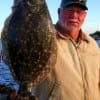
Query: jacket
(76, 74)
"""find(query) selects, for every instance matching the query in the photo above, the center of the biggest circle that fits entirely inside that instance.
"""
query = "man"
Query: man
(76, 75)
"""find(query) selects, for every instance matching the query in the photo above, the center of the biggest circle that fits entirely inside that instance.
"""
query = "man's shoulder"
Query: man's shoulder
(92, 42)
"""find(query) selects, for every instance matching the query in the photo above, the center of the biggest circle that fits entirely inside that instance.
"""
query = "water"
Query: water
(5, 74)
(98, 42)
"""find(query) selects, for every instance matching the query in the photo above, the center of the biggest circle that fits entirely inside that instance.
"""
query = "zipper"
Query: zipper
(82, 68)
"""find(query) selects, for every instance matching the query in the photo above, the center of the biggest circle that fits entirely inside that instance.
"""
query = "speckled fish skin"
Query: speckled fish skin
(31, 42)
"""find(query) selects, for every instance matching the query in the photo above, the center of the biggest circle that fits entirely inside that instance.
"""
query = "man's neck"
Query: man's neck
(73, 35)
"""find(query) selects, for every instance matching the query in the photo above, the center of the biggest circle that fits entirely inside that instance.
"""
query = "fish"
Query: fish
(30, 45)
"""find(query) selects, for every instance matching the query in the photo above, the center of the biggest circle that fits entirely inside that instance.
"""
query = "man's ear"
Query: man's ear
(85, 14)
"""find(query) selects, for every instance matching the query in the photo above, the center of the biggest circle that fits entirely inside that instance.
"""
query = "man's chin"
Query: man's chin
(73, 28)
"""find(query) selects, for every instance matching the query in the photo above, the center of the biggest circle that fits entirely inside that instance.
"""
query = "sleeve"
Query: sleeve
(99, 72)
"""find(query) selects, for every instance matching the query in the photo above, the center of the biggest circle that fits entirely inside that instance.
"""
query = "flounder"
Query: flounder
(30, 44)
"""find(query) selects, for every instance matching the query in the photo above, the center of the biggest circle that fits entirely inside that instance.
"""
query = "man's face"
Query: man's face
(71, 18)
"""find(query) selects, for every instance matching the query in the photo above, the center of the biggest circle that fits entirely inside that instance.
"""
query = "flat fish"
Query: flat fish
(30, 43)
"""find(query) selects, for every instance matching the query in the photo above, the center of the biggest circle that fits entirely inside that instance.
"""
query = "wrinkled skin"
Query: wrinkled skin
(30, 44)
